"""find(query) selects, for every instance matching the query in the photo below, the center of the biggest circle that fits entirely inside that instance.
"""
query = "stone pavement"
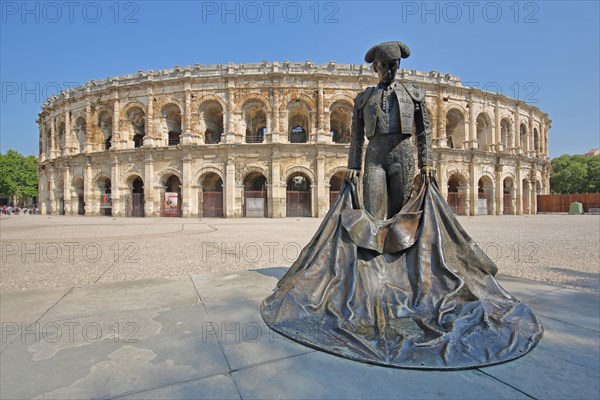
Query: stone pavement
(202, 336)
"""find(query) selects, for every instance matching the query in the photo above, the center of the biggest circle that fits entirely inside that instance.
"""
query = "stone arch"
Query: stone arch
(210, 193)
(340, 121)
(299, 193)
(333, 171)
(457, 184)
(164, 174)
(506, 135)
(455, 127)
(301, 170)
(483, 127)
(211, 119)
(135, 122)
(80, 128)
(485, 194)
(255, 120)
(242, 172)
(105, 128)
(198, 176)
(338, 97)
(171, 123)
(523, 132)
(249, 97)
(508, 194)
(298, 115)
(307, 101)
(536, 141)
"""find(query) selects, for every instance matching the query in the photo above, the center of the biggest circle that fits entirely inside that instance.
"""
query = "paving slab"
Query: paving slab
(320, 375)
(155, 348)
(157, 339)
(220, 387)
(570, 306)
(108, 298)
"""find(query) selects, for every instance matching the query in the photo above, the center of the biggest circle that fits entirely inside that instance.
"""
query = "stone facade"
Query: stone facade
(269, 139)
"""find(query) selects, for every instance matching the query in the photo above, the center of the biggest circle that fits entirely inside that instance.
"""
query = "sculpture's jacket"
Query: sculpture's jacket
(413, 111)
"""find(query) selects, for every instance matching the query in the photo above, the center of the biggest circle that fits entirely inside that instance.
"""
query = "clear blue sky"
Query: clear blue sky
(546, 51)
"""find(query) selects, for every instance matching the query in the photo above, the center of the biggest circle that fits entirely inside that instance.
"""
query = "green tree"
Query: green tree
(575, 174)
(18, 176)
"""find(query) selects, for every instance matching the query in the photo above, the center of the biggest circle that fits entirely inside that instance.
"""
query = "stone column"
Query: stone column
(472, 124)
(230, 123)
(88, 127)
(277, 192)
(149, 139)
(187, 137)
(229, 187)
(519, 187)
(276, 133)
(87, 189)
(441, 122)
(149, 195)
(54, 145)
(115, 192)
(186, 178)
(67, 191)
(68, 149)
(322, 200)
(530, 141)
(499, 199)
(52, 192)
(117, 141)
(517, 132)
(472, 192)
(497, 128)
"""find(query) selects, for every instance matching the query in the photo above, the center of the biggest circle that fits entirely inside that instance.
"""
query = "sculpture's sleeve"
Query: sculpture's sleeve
(424, 144)
(357, 136)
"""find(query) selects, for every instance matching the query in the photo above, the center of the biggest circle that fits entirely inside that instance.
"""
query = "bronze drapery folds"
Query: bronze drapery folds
(411, 291)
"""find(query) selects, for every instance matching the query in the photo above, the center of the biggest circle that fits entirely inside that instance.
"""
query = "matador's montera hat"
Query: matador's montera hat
(387, 51)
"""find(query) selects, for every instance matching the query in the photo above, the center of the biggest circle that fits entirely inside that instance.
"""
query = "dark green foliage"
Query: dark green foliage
(575, 174)
(18, 175)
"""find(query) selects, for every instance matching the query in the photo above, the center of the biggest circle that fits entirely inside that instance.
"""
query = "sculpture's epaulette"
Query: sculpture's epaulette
(361, 99)
(414, 91)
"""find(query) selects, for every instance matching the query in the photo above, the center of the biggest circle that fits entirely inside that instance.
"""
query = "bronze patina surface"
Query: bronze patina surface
(395, 280)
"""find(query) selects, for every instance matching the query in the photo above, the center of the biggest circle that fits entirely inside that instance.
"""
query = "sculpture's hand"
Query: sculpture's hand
(352, 173)
(427, 172)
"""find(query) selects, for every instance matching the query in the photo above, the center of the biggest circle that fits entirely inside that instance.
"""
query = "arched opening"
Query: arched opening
(255, 118)
(104, 186)
(507, 196)
(78, 186)
(523, 138)
(298, 122)
(457, 186)
(335, 184)
(137, 197)
(105, 124)
(340, 118)
(137, 120)
(211, 121)
(485, 196)
(526, 197)
(60, 144)
(172, 200)
(538, 192)
(455, 129)
(298, 203)
(255, 195)
(536, 142)
(171, 121)
(505, 134)
(81, 133)
(484, 131)
(211, 196)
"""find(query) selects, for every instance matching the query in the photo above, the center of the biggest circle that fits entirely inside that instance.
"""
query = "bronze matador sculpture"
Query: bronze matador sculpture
(385, 115)
(397, 281)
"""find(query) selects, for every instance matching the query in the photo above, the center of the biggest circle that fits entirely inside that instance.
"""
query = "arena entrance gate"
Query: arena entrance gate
(211, 196)
(298, 202)
(255, 196)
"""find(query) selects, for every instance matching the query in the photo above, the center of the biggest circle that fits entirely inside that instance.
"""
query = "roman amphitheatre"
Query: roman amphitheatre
(269, 139)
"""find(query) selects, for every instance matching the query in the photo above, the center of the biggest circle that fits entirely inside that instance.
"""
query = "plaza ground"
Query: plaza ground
(169, 308)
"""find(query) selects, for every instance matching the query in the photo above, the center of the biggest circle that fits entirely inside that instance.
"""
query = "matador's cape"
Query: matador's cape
(412, 291)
